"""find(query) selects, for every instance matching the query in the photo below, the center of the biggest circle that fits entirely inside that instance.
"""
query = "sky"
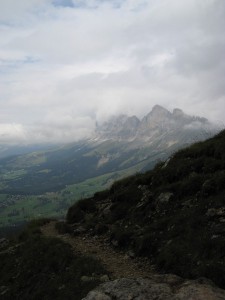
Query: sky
(66, 63)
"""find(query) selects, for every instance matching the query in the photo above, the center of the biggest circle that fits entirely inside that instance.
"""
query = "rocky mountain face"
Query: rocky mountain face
(159, 123)
(123, 145)
(120, 147)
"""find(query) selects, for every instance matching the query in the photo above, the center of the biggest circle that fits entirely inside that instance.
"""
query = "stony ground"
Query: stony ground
(134, 278)
(118, 264)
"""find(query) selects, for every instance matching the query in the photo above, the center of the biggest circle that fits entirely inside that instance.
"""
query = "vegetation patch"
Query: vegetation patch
(173, 214)
(37, 267)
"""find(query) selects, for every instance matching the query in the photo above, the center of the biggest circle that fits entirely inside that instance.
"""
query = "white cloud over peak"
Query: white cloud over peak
(64, 63)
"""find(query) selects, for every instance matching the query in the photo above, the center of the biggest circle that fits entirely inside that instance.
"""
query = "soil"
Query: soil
(118, 264)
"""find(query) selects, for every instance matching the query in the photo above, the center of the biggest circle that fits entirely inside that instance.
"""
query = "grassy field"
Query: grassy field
(14, 174)
(19, 208)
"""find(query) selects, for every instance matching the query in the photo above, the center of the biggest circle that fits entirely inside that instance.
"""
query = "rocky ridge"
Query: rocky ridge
(157, 122)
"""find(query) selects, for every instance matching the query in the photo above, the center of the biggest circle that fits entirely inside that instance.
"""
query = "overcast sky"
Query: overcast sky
(66, 63)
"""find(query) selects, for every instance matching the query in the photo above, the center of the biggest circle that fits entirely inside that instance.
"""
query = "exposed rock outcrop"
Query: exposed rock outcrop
(155, 125)
(167, 287)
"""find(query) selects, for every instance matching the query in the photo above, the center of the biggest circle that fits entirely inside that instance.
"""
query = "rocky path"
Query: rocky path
(134, 278)
(118, 264)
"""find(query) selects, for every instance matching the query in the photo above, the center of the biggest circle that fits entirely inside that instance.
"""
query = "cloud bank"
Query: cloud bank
(66, 63)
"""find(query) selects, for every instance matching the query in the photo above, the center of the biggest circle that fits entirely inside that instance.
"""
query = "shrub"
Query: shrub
(46, 268)
(122, 235)
(145, 246)
(77, 211)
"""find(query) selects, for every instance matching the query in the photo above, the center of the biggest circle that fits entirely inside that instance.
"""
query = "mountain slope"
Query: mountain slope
(121, 143)
(174, 214)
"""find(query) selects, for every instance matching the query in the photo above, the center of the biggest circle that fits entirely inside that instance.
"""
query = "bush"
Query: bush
(122, 236)
(33, 228)
(79, 209)
(144, 246)
(102, 195)
(46, 268)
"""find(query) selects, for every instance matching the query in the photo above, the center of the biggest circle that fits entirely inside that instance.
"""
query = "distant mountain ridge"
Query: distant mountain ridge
(120, 147)
(158, 121)
(123, 144)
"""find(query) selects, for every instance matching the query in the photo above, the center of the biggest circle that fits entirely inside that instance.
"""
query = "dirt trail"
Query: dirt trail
(118, 264)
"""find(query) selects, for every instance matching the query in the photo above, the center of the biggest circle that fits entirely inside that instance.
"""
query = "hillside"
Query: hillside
(33, 266)
(167, 220)
(174, 214)
(46, 183)
(117, 145)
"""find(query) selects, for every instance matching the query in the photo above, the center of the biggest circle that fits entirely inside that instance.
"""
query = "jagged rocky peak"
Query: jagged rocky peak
(113, 123)
(157, 122)
(158, 113)
(159, 110)
(157, 116)
(132, 121)
(177, 112)
(121, 127)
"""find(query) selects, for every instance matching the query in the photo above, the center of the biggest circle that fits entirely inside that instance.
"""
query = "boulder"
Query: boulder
(165, 287)
(3, 243)
(164, 197)
(79, 230)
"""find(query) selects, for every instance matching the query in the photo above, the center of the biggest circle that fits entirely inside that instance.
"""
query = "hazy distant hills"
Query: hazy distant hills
(7, 150)
(123, 144)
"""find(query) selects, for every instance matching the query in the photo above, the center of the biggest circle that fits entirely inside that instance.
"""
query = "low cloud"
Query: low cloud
(66, 63)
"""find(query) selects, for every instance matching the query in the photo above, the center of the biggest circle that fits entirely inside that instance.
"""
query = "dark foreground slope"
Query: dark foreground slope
(37, 267)
(174, 214)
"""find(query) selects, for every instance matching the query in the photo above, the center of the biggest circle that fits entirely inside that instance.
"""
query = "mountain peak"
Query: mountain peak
(158, 120)
(177, 112)
(159, 112)
(156, 115)
(158, 108)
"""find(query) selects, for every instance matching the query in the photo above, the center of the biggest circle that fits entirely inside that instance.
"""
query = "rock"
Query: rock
(87, 278)
(164, 197)
(115, 243)
(94, 277)
(144, 200)
(143, 188)
(96, 295)
(195, 291)
(213, 212)
(160, 287)
(79, 230)
(104, 278)
(3, 243)
(131, 254)
(106, 211)
(128, 289)
(3, 290)
(187, 203)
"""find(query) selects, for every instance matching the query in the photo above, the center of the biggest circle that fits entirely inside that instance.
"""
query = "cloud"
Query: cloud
(12, 133)
(64, 3)
(64, 63)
